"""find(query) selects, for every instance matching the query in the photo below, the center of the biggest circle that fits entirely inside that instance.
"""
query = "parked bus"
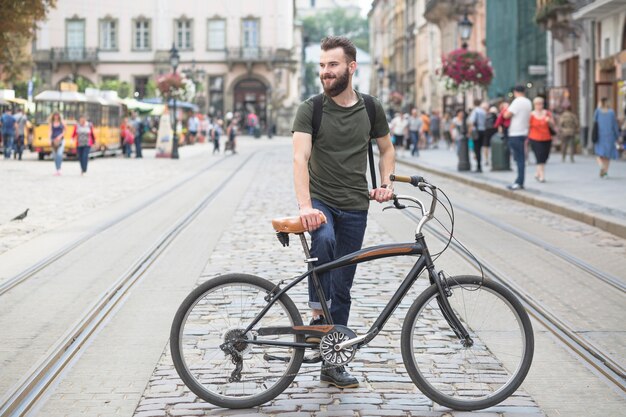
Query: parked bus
(103, 113)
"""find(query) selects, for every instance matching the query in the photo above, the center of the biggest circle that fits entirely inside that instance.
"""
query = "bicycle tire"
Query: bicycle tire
(196, 352)
(475, 377)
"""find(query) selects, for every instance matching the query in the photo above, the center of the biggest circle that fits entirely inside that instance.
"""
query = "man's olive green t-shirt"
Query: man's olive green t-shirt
(338, 162)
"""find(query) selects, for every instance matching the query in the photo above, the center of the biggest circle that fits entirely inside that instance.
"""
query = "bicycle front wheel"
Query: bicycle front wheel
(209, 348)
(475, 376)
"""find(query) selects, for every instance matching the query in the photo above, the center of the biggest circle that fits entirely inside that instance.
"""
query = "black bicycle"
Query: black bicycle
(238, 341)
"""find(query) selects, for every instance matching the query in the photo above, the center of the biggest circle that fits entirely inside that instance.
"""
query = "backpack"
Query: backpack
(370, 107)
(490, 121)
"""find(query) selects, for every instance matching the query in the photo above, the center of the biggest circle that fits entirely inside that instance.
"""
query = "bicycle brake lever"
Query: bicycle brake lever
(397, 203)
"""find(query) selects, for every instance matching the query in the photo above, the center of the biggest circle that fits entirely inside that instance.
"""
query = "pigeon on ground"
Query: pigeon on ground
(20, 216)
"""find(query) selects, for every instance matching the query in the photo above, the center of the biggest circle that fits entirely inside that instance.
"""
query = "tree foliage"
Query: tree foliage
(18, 22)
(337, 22)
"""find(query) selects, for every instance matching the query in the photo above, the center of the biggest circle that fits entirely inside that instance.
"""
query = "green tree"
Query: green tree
(83, 83)
(337, 22)
(18, 22)
(122, 87)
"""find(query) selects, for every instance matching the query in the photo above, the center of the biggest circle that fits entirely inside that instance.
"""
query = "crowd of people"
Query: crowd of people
(16, 128)
(524, 125)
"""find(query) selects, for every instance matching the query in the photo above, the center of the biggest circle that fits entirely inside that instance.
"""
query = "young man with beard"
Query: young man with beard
(330, 178)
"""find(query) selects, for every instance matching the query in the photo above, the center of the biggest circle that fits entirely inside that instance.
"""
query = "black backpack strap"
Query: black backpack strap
(370, 107)
(316, 120)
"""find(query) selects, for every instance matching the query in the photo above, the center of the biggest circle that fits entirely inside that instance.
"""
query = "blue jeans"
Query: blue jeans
(138, 148)
(7, 142)
(341, 235)
(58, 155)
(415, 137)
(516, 143)
(83, 157)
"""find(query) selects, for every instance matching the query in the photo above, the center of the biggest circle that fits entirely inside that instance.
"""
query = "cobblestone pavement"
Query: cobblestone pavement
(385, 390)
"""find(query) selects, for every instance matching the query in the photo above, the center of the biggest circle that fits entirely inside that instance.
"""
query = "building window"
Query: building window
(140, 87)
(108, 35)
(141, 36)
(250, 38)
(183, 34)
(216, 95)
(216, 32)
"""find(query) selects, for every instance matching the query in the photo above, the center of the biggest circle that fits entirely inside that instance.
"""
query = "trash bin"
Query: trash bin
(257, 132)
(500, 154)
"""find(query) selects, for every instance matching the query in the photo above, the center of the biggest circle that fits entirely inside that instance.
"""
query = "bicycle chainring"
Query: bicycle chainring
(337, 357)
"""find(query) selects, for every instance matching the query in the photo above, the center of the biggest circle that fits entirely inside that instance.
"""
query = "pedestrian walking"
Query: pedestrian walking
(476, 127)
(193, 124)
(446, 126)
(415, 126)
(139, 127)
(330, 178)
(398, 128)
(456, 128)
(128, 137)
(568, 128)
(490, 130)
(425, 134)
(85, 138)
(231, 134)
(435, 128)
(540, 136)
(503, 124)
(57, 140)
(21, 122)
(608, 133)
(9, 127)
(216, 133)
(519, 113)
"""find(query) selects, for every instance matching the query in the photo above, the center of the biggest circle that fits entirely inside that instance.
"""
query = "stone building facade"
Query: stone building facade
(244, 55)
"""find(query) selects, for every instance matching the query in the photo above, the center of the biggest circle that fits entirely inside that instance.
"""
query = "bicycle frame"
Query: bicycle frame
(364, 255)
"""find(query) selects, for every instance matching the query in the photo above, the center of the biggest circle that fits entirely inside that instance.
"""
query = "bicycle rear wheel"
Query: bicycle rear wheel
(218, 311)
(468, 377)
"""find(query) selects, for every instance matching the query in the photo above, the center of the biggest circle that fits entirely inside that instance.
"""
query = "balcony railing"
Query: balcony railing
(267, 56)
(67, 55)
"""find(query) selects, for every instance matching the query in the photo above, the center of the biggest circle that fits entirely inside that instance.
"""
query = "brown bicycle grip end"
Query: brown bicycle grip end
(399, 178)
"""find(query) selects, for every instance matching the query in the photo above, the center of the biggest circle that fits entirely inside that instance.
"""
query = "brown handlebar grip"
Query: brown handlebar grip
(399, 178)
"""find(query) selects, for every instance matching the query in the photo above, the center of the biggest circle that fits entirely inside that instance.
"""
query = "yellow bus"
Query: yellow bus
(103, 113)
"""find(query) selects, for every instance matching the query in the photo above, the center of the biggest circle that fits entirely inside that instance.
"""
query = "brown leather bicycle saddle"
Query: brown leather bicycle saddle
(291, 224)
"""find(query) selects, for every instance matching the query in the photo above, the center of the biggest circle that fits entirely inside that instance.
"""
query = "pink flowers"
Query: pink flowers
(462, 69)
(169, 83)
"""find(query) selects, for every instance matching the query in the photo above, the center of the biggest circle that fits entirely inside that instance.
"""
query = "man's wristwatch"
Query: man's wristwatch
(385, 186)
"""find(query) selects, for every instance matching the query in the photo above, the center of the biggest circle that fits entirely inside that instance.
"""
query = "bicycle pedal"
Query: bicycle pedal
(314, 357)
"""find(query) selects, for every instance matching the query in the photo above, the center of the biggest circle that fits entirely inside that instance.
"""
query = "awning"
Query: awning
(179, 104)
(139, 106)
(600, 9)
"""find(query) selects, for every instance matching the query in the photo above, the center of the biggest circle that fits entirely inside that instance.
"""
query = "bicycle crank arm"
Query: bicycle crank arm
(314, 358)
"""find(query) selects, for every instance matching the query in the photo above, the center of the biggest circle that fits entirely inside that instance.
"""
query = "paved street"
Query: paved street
(125, 369)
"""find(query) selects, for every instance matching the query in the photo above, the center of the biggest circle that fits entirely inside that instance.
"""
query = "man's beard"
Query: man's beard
(340, 84)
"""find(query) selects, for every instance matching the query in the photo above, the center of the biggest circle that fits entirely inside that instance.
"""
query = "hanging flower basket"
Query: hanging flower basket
(462, 69)
(170, 84)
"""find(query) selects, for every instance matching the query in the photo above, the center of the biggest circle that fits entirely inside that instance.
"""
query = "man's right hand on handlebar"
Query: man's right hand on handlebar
(311, 218)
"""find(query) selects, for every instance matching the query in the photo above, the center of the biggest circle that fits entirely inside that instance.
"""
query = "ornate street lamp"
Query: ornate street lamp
(465, 30)
(174, 61)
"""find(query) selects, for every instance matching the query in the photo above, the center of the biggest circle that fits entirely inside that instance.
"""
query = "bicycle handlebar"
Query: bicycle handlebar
(422, 184)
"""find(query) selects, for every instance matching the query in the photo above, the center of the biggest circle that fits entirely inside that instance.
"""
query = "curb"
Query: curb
(601, 222)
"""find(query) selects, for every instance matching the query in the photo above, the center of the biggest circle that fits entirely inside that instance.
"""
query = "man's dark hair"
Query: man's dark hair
(519, 89)
(477, 102)
(332, 42)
